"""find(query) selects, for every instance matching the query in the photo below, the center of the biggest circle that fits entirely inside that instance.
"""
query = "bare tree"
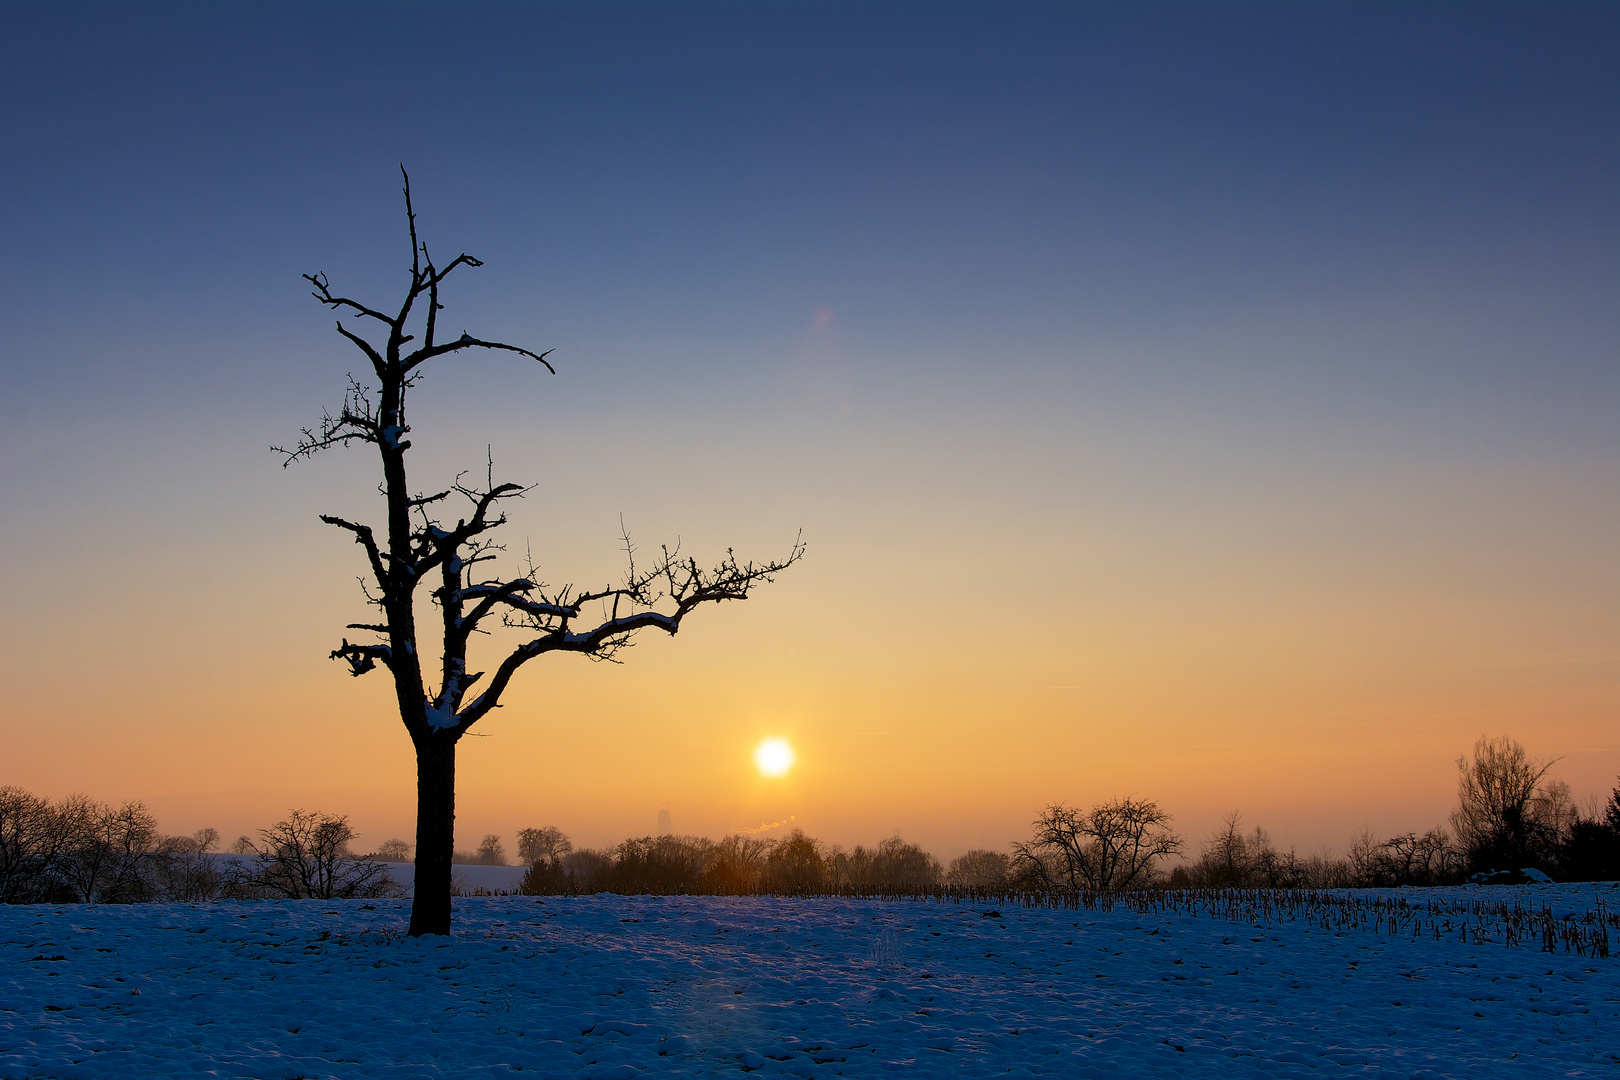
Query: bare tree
(737, 864)
(182, 869)
(1553, 809)
(32, 845)
(546, 845)
(1226, 854)
(394, 851)
(106, 847)
(1112, 846)
(796, 861)
(490, 851)
(1418, 860)
(1496, 822)
(892, 862)
(422, 540)
(306, 857)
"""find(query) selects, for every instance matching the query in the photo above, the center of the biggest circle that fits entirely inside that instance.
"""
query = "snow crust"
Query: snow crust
(608, 988)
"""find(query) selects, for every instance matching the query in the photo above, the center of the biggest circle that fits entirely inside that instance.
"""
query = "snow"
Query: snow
(612, 987)
(468, 877)
(440, 716)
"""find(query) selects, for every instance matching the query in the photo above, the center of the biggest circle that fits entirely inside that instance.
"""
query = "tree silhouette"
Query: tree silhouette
(421, 542)
(1496, 820)
(1112, 846)
(545, 845)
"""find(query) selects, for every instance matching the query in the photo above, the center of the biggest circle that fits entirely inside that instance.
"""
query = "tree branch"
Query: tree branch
(362, 658)
(378, 364)
(356, 419)
(364, 537)
(323, 293)
(466, 341)
(690, 588)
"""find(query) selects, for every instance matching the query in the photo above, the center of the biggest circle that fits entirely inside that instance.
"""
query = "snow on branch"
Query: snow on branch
(362, 658)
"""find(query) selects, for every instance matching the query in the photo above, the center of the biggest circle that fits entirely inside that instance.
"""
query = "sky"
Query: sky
(1211, 403)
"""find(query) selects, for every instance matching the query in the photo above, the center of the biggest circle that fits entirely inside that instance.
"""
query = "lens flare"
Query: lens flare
(774, 757)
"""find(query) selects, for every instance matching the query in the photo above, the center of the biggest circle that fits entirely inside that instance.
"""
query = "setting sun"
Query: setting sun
(774, 757)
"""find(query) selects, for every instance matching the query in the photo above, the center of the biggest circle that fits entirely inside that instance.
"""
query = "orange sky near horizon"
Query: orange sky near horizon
(988, 623)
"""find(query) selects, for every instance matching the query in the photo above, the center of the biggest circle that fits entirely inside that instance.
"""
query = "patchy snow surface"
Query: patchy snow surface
(611, 987)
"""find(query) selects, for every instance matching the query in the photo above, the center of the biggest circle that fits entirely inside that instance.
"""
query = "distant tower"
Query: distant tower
(666, 824)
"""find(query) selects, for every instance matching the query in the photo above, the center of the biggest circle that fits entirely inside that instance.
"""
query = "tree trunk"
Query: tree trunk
(435, 833)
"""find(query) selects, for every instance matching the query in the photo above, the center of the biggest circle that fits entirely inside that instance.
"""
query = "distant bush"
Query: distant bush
(1590, 847)
(80, 850)
(542, 845)
(306, 857)
(1233, 859)
(795, 862)
(659, 864)
(892, 862)
(184, 869)
(979, 869)
(583, 871)
(395, 851)
(490, 851)
(737, 865)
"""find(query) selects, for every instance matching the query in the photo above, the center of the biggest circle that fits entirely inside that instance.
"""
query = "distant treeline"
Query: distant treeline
(80, 851)
(1509, 819)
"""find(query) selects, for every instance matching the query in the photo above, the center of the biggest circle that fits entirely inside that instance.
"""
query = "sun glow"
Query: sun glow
(774, 757)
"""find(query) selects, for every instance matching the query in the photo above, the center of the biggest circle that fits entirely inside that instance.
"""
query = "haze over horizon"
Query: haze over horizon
(1212, 403)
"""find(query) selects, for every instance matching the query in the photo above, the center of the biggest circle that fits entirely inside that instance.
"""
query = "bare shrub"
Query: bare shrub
(307, 857)
(659, 864)
(888, 950)
(182, 870)
(1410, 859)
(892, 862)
(587, 866)
(979, 869)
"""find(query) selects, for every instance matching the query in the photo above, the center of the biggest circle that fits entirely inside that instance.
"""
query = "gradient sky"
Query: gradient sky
(1214, 403)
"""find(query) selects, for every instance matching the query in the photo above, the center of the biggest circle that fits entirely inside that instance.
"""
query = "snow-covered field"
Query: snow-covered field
(610, 987)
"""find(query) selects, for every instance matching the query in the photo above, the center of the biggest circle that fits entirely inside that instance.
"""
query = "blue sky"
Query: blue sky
(1210, 294)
